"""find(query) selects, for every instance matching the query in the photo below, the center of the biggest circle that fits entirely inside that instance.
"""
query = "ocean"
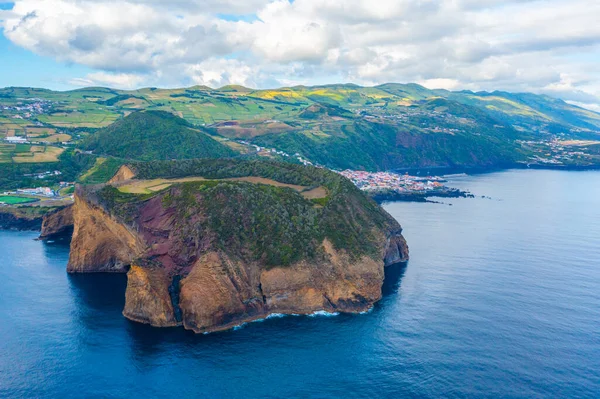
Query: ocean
(501, 298)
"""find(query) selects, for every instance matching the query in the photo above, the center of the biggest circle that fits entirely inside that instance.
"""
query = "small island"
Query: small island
(212, 244)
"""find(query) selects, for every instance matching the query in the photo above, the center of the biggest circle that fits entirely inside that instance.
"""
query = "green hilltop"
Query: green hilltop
(154, 135)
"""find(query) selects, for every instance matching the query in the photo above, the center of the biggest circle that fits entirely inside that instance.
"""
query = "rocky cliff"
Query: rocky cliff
(214, 254)
(100, 243)
(21, 219)
(57, 223)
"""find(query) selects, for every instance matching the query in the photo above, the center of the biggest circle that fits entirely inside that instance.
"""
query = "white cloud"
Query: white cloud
(122, 80)
(448, 84)
(594, 107)
(549, 46)
(220, 72)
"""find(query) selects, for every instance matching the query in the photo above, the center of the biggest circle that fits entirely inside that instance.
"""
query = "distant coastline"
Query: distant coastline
(476, 170)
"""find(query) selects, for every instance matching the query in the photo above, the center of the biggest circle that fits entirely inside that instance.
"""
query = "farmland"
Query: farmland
(341, 126)
(26, 153)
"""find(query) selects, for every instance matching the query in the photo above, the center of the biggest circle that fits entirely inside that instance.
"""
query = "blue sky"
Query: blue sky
(542, 46)
(21, 67)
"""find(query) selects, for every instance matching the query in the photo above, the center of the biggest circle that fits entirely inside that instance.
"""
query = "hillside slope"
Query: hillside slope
(390, 126)
(154, 135)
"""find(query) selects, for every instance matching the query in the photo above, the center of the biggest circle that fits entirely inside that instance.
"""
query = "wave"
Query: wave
(323, 313)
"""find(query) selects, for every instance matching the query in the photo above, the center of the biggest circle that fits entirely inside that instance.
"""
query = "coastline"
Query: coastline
(394, 196)
(476, 170)
(14, 219)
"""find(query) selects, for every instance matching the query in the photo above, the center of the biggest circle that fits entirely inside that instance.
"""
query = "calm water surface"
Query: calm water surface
(501, 298)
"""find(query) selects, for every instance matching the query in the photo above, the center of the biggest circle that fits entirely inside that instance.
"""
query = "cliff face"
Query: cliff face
(16, 219)
(211, 256)
(57, 223)
(100, 243)
(147, 299)
(396, 249)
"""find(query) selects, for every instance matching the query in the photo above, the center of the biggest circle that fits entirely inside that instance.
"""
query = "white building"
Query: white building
(16, 140)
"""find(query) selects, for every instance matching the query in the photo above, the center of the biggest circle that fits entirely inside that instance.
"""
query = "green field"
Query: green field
(14, 200)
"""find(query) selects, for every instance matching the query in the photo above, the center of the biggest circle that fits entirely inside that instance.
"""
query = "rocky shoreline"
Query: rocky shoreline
(17, 219)
(51, 222)
(391, 196)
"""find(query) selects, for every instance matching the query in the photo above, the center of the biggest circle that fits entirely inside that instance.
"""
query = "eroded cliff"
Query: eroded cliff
(57, 223)
(213, 254)
(21, 218)
(100, 243)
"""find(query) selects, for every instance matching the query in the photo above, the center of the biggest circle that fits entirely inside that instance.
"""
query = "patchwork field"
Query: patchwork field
(341, 126)
(78, 119)
(25, 153)
(39, 131)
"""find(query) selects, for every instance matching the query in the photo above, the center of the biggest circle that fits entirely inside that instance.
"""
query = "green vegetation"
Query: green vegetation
(276, 225)
(229, 168)
(27, 217)
(102, 171)
(15, 200)
(391, 126)
(154, 135)
(70, 163)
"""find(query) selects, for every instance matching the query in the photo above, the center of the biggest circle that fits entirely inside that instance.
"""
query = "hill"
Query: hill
(154, 135)
(222, 242)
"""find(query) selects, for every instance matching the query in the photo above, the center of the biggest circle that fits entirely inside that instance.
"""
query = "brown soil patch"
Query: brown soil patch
(269, 182)
(315, 193)
(55, 138)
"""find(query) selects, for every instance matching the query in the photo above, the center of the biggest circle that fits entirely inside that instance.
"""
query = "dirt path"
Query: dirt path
(151, 186)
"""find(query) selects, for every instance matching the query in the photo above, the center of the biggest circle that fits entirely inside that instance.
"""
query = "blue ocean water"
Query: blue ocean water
(501, 298)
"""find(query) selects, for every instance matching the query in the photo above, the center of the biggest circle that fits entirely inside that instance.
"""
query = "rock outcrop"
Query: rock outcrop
(396, 249)
(57, 223)
(212, 255)
(20, 219)
(147, 299)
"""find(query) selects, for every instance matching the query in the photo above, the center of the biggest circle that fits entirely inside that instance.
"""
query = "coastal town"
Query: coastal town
(394, 186)
(377, 184)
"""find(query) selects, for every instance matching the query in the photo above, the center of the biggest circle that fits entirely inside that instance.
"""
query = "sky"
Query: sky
(542, 46)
